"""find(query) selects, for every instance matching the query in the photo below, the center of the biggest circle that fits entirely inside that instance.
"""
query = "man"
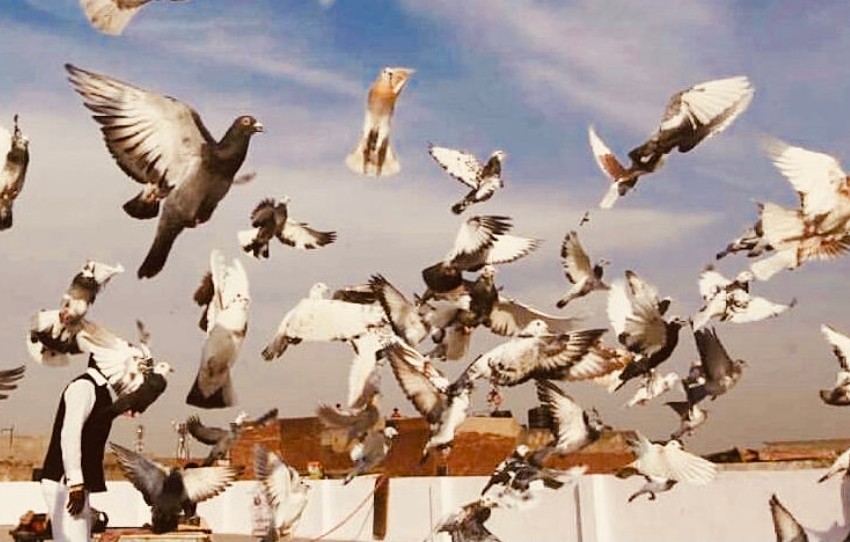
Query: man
(73, 466)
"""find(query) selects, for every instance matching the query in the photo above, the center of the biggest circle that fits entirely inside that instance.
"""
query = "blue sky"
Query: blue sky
(527, 77)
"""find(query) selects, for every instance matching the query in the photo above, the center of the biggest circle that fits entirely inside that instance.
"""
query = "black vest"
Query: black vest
(95, 432)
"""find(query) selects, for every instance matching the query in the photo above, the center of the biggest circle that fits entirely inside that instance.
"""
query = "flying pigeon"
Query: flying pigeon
(584, 277)
(444, 405)
(839, 395)
(285, 490)
(14, 171)
(637, 316)
(407, 319)
(536, 353)
(171, 490)
(730, 300)
(719, 371)
(786, 527)
(574, 428)
(162, 143)
(518, 478)
(373, 154)
(220, 439)
(271, 219)
(664, 465)
(364, 379)
(226, 323)
(654, 385)
(111, 16)
(691, 416)
(467, 524)
(752, 241)
(482, 179)
(358, 423)
(840, 465)
(371, 451)
(316, 318)
(692, 115)
(9, 380)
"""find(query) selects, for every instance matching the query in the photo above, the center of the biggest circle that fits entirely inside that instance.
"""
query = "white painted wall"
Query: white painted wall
(733, 508)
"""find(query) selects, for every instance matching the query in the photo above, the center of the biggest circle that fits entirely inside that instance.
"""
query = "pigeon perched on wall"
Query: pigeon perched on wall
(584, 277)
(14, 171)
(220, 439)
(285, 490)
(171, 490)
(111, 16)
(839, 395)
(373, 154)
(271, 219)
(226, 323)
(787, 528)
(9, 380)
(482, 179)
(162, 143)
(692, 115)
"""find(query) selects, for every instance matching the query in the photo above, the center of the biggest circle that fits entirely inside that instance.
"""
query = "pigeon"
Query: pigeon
(730, 300)
(284, 489)
(373, 154)
(405, 318)
(364, 379)
(840, 465)
(358, 423)
(227, 323)
(482, 179)
(664, 465)
(467, 524)
(584, 277)
(271, 219)
(509, 317)
(637, 316)
(691, 416)
(574, 428)
(534, 353)
(111, 16)
(316, 318)
(14, 171)
(719, 372)
(517, 478)
(752, 241)
(786, 527)
(653, 386)
(170, 490)
(839, 395)
(85, 286)
(220, 439)
(693, 114)
(162, 143)
(444, 405)
(9, 380)
(370, 452)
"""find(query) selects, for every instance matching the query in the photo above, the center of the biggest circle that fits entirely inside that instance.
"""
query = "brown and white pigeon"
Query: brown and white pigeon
(14, 171)
(483, 180)
(111, 16)
(162, 143)
(693, 114)
(373, 155)
(271, 219)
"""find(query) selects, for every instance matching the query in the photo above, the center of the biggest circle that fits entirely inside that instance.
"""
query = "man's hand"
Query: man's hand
(76, 499)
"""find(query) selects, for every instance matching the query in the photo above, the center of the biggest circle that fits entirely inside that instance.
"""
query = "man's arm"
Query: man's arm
(79, 402)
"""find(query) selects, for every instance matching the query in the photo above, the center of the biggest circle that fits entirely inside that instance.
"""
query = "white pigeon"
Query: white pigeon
(839, 395)
(14, 171)
(111, 16)
(840, 465)
(271, 219)
(226, 325)
(692, 115)
(787, 528)
(730, 300)
(316, 318)
(584, 277)
(363, 375)
(284, 488)
(482, 179)
(574, 428)
(664, 465)
(535, 352)
(654, 385)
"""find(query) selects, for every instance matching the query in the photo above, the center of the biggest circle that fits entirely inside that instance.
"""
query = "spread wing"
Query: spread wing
(710, 282)
(508, 248)
(475, 236)
(9, 379)
(713, 105)
(207, 435)
(570, 430)
(818, 178)
(146, 475)
(203, 483)
(461, 165)
(303, 237)
(840, 345)
(784, 524)
(153, 137)
(509, 317)
(715, 360)
(425, 396)
(574, 259)
(123, 364)
(111, 16)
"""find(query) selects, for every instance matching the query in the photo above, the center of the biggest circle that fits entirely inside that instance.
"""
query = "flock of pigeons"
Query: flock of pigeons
(184, 172)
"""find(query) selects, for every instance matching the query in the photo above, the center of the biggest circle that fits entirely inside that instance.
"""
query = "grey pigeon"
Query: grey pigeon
(720, 372)
(518, 478)
(171, 490)
(584, 277)
(692, 115)
(162, 143)
(271, 219)
(111, 16)
(370, 451)
(14, 171)
(220, 439)
(787, 528)
(483, 180)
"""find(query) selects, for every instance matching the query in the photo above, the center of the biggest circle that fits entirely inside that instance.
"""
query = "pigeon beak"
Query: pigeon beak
(258, 127)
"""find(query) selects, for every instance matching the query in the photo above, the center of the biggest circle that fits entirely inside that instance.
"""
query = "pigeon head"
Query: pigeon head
(488, 271)
(162, 368)
(500, 155)
(319, 291)
(535, 328)
(396, 78)
(247, 124)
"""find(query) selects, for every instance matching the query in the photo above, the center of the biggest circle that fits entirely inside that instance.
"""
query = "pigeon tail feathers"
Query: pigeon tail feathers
(155, 260)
